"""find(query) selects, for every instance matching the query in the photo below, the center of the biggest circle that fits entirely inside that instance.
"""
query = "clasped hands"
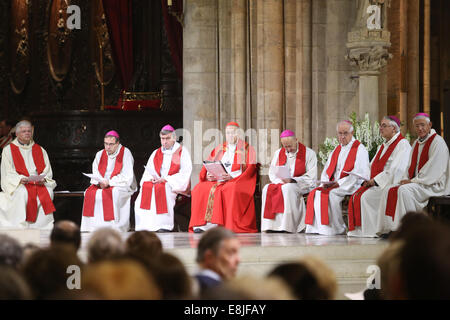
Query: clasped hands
(225, 177)
(25, 181)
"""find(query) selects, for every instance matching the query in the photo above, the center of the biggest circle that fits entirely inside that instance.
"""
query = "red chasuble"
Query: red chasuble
(89, 197)
(274, 197)
(160, 188)
(392, 198)
(229, 204)
(324, 194)
(33, 190)
(354, 206)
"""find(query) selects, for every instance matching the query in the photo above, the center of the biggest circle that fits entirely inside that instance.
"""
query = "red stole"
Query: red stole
(239, 153)
(107, 201)
(34, 190)
(354, 207)
(274, 197)
(324, 195)
(393, 192)
(160, 188)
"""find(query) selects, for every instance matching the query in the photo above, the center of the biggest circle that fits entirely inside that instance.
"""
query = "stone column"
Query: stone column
(368, 50)
(200, 81)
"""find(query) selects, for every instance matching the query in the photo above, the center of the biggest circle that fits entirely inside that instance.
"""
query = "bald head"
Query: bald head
(66, 232)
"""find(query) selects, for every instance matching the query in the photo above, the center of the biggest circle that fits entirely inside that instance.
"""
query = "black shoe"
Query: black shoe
(162, 231)
(198, 230)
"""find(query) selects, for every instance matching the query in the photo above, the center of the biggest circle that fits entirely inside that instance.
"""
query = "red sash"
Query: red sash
(324, 195)
(160, 188)
(239, 153)
(33, 190)
(392, 198)
(354, 207)
(107, 201)
(274, 197)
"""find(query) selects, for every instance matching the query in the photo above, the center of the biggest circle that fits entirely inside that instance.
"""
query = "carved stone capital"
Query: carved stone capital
(368, 50)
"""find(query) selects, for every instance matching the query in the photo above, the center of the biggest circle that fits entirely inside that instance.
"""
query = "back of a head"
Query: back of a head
(425, 263)
(12, 285)
(144, 244)
(211, 240)
(172, 277)
(105, 244)
(11, 251)
(249, 288)
(122, 279)
(66, 232)
(46, 270)
(302, 282)
(325, 276)
(410, 222)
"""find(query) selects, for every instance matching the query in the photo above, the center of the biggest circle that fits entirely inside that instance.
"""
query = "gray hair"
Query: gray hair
(105, 243)
(422, 117)
(23, 123)
(392, 123)
(11, 251)
(166, 132)
(212, 240)
(346, 122)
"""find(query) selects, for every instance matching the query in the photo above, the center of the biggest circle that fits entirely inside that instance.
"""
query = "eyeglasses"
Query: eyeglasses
(343, 133)
(110, 144)
(385, 125)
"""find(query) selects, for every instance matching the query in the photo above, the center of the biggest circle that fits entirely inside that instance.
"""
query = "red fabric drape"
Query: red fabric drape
(174, 31)
(120, 25)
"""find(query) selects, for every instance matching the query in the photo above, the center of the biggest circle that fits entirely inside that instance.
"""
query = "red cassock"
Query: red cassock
(229, 204)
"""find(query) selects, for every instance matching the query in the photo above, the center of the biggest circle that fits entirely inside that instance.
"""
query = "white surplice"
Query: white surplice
(13, 199)
(293, 218)
(179, 182)
(347, 186)
(392, 174)
(124, 185)
(432, 181)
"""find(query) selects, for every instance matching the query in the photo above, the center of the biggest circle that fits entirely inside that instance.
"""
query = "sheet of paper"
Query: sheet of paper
(94, 177)
(356, 175)
(318, 182)
(215, 168)
(35, 178)
(282, 172)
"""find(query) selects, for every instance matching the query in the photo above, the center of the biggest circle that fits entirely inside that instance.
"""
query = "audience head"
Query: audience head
(46, 270)
(249, 288)
(122, 279)
(12, 285)
(144, 244)
(344, 131)
(171, 277)
(325, 276)
(389, 264)
(11, 252)
(105, 244)
(218, 250)
(301, 280)
(410, 222)
(66, 232)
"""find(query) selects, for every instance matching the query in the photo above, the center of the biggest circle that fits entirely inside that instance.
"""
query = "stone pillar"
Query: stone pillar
(200, 81)
(368, 50)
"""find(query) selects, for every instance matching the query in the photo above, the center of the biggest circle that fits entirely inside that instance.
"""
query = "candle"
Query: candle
(169, 3)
